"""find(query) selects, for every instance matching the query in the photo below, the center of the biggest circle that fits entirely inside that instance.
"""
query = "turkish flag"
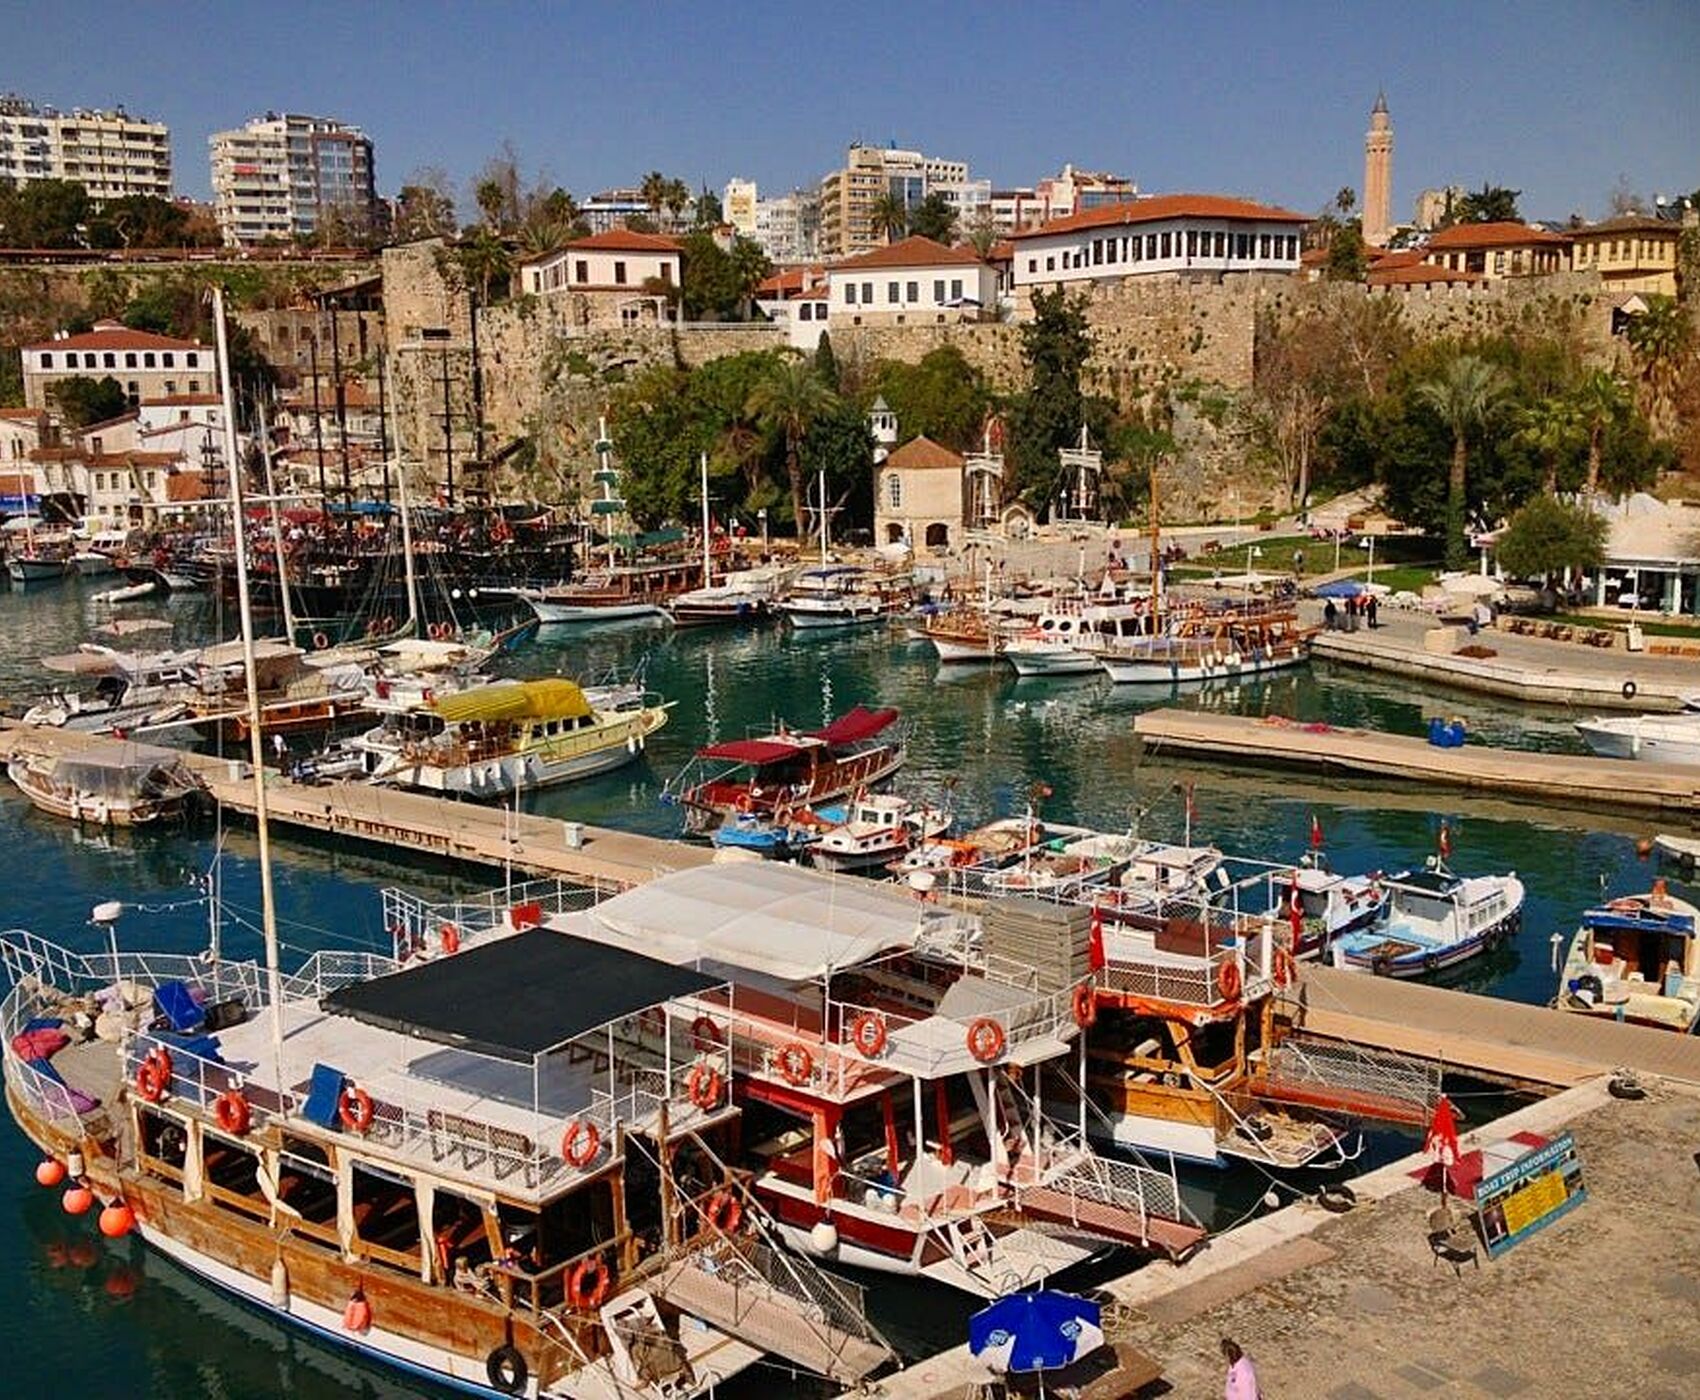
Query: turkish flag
(1445, 841)
(1315, 833)
(1442, 1139)
(1096, 950)
(1295, 911)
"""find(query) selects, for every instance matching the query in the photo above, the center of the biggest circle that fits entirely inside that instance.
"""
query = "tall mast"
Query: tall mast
(277, 528)
(256, 742)
(824, 527)
(407, 550)
(707, 563)
(1156, 559)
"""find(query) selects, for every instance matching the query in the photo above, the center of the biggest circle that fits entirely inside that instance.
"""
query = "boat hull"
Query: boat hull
(811, 619)
(1060, 662)
(556, 614)
(1434, 960)
(1646, 743)
(965, 650)
(1125, 671)
(35, 570)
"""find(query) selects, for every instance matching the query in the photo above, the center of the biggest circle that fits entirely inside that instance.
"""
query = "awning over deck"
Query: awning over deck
(856, 725)
(516, 998)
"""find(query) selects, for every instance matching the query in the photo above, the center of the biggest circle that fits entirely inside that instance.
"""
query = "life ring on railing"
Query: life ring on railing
(232, 1113)
(153, 1075)
(1228, 980)
(705, 1035)
(321, 642)
(795, 1064)
(354, 1108)
(867, 1034)
(985, 1039)
(1286, 970)
(387, 625)
(724, 1212)
(588, 1284)
(500, 533)
(1084, 1004)
(580, 1143)
(372, 627)
(449, 935)
(703, 1086)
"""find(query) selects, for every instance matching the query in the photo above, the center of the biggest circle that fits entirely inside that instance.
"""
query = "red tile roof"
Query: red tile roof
(187, 486)
(110, 335)
(923, 453)
(625, 240)
(16, 484)
(1503, 235)
(790, 280)
(1630, 223)
(1165, 206)
(182, 401)
(1416, 275)
(21, 415)
(913, 251)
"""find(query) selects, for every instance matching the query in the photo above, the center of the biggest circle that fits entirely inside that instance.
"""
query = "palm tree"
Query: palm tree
(491, 198)
(676, 196)
(787, 403)
(1550, 428)
(484, 259)
(1464, 395)
(1660, 337)
(545, 235)
(654, 191)
(890, 216)
(1597, 401)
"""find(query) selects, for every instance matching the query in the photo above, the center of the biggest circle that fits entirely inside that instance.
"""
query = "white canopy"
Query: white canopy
(783, 922)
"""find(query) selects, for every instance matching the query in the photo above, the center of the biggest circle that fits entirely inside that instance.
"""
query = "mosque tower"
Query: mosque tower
(1378, 174)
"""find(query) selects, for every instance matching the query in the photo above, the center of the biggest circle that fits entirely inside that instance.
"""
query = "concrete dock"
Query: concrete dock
(1669, 789)
(416, 822)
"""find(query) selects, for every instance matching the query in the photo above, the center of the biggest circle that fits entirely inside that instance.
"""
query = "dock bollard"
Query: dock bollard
(574, 835)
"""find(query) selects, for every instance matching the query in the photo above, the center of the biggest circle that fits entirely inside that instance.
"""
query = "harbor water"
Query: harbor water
(102, 1319)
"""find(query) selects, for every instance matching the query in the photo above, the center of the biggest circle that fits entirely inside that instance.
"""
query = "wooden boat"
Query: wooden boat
(874, 831)
(614, 593)
(107, 783)
(842, 595)
(36, 568)
(787, 771)
(1434, 920)
(1068, 638)
(1230, 645)
(742, 596)
(1637, 959)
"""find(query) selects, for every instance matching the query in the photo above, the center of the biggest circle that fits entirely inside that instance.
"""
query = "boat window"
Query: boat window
(1419, 906)
(306, 1184)
(164, 1144)
(386, 1216)
(231, 1170)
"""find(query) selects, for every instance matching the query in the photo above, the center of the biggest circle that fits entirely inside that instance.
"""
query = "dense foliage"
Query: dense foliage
(1547, 536)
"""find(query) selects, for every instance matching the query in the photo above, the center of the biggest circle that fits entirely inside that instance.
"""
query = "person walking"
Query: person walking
(1242, 1376)
(1370, 607)
(1331, 616)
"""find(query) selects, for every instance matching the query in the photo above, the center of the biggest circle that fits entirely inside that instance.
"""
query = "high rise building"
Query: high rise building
(110, 154)
(284, 176)
(1378, 175)
(788, 227)
(850, 195)
(738, 206)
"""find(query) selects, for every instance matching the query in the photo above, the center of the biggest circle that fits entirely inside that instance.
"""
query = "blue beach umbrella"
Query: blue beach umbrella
(1340, 588)
(1042, 1331)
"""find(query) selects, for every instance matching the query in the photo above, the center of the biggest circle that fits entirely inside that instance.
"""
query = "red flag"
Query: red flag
(1295, 912)
(1445, 840)
(1315, 833)
(1096, 948)
(1191, 806)
(1442, 1139)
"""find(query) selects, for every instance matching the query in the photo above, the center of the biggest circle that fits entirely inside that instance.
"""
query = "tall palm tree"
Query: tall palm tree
(653, 191)
(545, 235)
(891, 216)
(1550, 427)
(788, 402)
(1597, 402)
(1660, 338)
(1465, 395)
(676, 196)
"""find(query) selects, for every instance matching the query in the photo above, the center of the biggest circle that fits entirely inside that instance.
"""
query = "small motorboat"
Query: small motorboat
(1647, 738)
(1434, 920)
(108, 783)
(874, 831)
(1636, 959)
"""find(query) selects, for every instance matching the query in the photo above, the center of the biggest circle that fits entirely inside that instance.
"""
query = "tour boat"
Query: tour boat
(1320, 904)
(614, 593)
(744, 595)
(513, 736)
(841, 595)
(1434, 920)
(1224, 646)
(787, 771)
(1067, 641)
(874, 830)
(1649, 738)
(108, 783)
(98, 556)
(1636, 959)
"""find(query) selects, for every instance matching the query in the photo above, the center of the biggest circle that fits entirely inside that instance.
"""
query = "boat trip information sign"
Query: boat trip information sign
(1532, 1192)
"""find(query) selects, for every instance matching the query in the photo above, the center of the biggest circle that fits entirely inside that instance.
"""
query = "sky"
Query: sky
(1563, 99)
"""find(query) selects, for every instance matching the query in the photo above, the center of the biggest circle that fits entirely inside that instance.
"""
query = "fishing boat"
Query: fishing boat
(787, 771)
(842, 595)
(767, 837)
(1216, 645)
(1636, 959)
(1648, 738)
(107, 783)
(1320, 904)
(98, 557)
(36, 568)
(494, 740)
(1434, 920)
(741, 596)
(874, 830)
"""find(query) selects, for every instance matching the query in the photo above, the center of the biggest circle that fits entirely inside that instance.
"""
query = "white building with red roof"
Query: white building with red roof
(914, 281)
(1177, 235)
(611, 271)
(1499, 250)
(146, 366)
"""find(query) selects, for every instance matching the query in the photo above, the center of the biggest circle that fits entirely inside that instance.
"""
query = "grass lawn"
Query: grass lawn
(1275, 556)
(1651, 626)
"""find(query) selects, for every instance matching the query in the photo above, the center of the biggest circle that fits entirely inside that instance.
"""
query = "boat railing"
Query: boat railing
(1136, 967)
(1139, 1189)
(26, 956)
(417, 924)
(46, 1093)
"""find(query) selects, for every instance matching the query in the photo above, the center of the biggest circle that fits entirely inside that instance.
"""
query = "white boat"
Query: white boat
(1228, 646)
(839, 595)
(744, 595)
(129, 592)
(107, 783)
(1068, 641)
(1318, 904)
(1434, 920)
(1636, 959)
(34, 569)
(875, 831)
(1647, 738)
(91, 563)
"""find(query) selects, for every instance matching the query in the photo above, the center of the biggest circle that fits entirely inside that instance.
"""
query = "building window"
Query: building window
(1097, 251)
(168, 359)
(1192, 243)
(194, 386)
(1138, 249)
(1032, 264)
(130, 360)
(956, 289)
(147, 359)
(1050, 264)
(849, 293)
(110, 360)
(891, 296)
(47, 359)
(95, 446)
(893, 491)
(667, 274)
(938, 290)
(1168, 245)
(867, 294)
(1221, 243)
(581, 271)
(912, 292)
(619, 274)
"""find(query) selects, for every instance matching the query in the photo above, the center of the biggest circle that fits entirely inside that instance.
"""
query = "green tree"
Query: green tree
(890, 216)
(1464, 396)
(1345, 200)
(1551, 428)
(935, 218)
(1048, 415)
(675, 198)
(982, 234)
(485, 263)
(1491, 204)
(653, 191)
(1547, 536)
(840, 442)
(826, 362)
(1661, 338)
(139, 221)
(787, 403)
(491, 201)
(81, 400)
(424, 208)
(44, 214)
(1347, 259)
(941, 396)
(718, 281)
(709, 212)
(1597, 402)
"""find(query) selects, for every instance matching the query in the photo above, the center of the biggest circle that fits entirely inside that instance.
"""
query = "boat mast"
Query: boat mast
(407, 547)
(825, 527)
(256, 741)
(707, 563)
(1156, 556)
(277, 528)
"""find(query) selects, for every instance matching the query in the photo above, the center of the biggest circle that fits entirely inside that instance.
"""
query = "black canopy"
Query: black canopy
(516, 997)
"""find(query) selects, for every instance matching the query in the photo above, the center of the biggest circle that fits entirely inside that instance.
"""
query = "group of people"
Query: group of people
(1345, 619)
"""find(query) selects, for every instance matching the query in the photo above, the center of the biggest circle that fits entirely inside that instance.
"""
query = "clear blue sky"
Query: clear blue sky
(1269, 100)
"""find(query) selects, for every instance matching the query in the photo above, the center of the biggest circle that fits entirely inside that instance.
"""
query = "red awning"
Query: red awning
(858, 724)
(752, 751)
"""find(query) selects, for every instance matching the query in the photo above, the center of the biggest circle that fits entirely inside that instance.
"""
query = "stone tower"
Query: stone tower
(1378, 174)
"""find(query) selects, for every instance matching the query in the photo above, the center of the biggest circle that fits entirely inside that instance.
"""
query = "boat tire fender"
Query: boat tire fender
(321, 642)
(1431, 963)
(1629, 689)
(1336, 1197)
(1626, 1086)
(1594, 988)
(507, 1369)
(1382, 965)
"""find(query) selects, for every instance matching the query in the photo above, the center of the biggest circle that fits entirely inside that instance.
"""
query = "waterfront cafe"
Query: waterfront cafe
(1652, 557)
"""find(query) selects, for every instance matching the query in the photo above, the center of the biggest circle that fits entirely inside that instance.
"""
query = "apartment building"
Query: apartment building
(145, 365)
(738, 206)
(111, 154)
(850, 195)
(788, 226)
(283, 176)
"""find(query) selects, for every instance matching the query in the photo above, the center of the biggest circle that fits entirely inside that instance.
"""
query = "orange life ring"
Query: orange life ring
(588, 1284)
(153, 1075)
(580, 1143)
(795, 1064)
(867, 1033)
(354, 1107)
(321, 642)
(705, 1035)
(232, 1113)
(1286, 970)
(450, 936)
(985, 1039)
(1228, 980)
(1084, 1005)
(703, 1085)
(724, 1212)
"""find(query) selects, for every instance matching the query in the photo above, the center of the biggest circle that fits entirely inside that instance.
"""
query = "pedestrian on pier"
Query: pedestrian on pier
(1370, 608)
(1331, 616)
(1242, 1377)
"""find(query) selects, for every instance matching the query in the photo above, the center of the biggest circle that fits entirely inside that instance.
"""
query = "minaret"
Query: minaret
(1378, 174)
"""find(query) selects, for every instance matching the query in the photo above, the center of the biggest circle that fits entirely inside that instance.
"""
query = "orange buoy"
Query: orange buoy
(49, 1172)
(580, 1143)
(450, 936)
(232, 1113)
(724, 1212)
(355, 1109)
(588, 1284)
(867, 1033)
(117, 1220)
(357, 1316)
(77, 1200)
(796, 1064)
(1228, 980)
(1286, 970)
(1084, 1005)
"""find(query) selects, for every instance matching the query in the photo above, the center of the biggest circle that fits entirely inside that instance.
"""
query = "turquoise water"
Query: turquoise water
(103, 1320)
